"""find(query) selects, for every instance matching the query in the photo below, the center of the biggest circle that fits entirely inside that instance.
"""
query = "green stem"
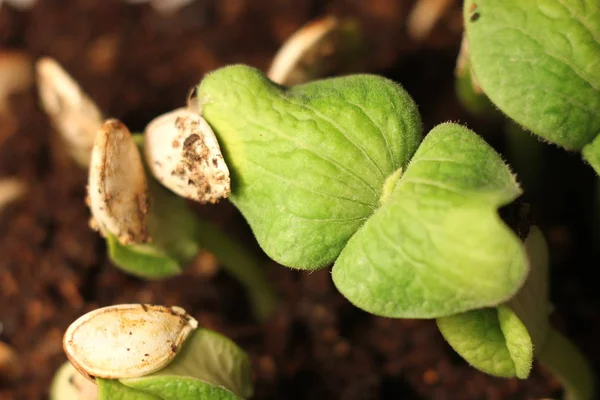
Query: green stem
(568, 365)
(241, 264)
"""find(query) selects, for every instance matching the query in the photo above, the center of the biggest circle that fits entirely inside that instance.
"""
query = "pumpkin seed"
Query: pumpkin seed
(117, 184)
(184, 155)
(128, 340)
(74, 115)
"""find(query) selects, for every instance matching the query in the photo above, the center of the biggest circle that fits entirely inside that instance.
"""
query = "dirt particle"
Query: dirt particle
(431, 377)
(472, 7)
(190, 140)
(475, 17)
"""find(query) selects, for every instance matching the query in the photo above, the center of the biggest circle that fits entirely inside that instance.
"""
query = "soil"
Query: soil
(137, 63)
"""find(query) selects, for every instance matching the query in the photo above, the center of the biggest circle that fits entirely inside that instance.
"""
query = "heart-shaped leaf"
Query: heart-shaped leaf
(308, 163)
(539, 62)
(437, 246)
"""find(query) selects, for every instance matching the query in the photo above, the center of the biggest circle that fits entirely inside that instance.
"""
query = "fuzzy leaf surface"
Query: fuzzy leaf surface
(437, 246)
(308, 163)
(539, 62)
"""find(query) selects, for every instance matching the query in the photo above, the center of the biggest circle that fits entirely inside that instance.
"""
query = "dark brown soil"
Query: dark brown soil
(136, 64)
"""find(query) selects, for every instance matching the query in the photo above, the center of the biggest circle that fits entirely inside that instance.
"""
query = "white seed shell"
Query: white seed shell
(128, 340)
(304, 51)
(184, 155)
(74, 115)
(117, 187)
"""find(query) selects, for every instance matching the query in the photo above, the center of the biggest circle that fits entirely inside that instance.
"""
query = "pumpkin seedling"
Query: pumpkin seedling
(503, 341)
(335, 171)
(538, 62)
(146, 352)
(150, 232)
(159, 239)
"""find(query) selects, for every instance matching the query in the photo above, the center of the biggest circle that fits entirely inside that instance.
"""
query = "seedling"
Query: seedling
(538, 62)
(333, 171)
(150, 232)
(147, 352)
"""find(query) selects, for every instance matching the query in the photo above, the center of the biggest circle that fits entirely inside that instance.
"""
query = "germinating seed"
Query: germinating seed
(117, 184)
(128, 340)
(184, 155)
(304, 54)
(74, 115)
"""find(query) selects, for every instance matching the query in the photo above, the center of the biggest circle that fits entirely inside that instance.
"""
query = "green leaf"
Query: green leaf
(208, 366)
(502, 341)
(591, 153)
(308, 163)
(182, 388)
(437, 246)
(492, 340)
(109, 389)
(539, 62)
(173, 229)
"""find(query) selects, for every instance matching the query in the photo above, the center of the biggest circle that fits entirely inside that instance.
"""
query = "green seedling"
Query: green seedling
(503, 341)
(538, 62)
(138, 351)
(150, 232)
(334, 171)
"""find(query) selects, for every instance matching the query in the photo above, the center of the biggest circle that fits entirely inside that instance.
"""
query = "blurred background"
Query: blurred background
(138, 59)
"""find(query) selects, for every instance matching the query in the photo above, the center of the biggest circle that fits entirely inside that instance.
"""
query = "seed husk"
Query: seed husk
(318, 49)
(127, 341)
(118, 190)
(73, 113)
(184, 155)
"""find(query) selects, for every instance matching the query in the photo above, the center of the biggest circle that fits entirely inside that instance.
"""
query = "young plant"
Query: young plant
(150, 232)
(139, 351)
(538, 62)
(333, 171)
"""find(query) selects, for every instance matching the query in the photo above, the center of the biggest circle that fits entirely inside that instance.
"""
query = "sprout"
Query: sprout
(146, 350)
